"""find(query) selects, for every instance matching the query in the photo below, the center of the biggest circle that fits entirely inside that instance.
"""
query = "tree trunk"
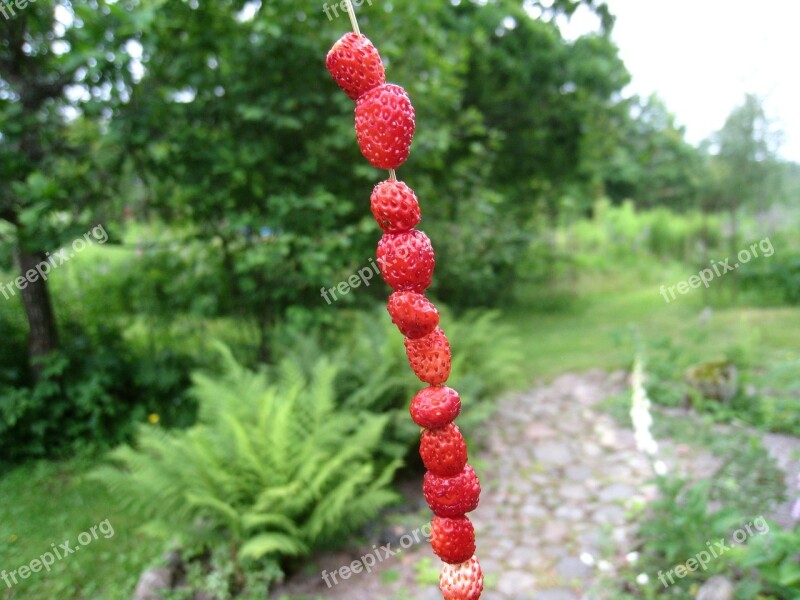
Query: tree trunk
(43, 338)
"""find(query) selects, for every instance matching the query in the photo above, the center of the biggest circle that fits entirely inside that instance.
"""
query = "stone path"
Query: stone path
(559, 479)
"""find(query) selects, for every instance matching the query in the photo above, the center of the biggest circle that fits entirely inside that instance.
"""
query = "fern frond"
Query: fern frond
(272, 543)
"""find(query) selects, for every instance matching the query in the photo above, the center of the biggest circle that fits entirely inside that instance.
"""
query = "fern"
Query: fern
(273, 466)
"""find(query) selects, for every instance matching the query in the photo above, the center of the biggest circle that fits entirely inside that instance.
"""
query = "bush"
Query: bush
(617, 234)
(273, 469)
(374, 374)
(773, 279)
(478, 259)
(771, 565)
(83, 399)
(89, 396)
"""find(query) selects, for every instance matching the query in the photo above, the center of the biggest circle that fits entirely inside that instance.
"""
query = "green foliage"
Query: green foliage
(373, 373)
(771, 564)
(624, 233)
(652, 163)
(767, 396)
(478, 259)
(680, 522)
(747, 478)
(273, 466)
(85, 400)
(775, 279)
(427, 572)
(215, 574)
(746, 164)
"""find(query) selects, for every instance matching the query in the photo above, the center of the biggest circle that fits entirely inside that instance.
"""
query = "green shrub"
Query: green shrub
(773, 279)
(617, 234)
(771, 564)
(273, 467)
(478, 258)
(84, 399)
(375, 376)
(91, 393)
(680, 522)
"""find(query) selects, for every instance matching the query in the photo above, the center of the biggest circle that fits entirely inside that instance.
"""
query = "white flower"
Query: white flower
(641, 417)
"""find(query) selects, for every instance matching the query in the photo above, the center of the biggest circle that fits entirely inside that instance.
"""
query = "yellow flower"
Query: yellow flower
(153, 419)
(12, 538)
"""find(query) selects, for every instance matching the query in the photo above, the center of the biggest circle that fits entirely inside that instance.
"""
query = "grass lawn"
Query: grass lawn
(51, 503)
(597, 329)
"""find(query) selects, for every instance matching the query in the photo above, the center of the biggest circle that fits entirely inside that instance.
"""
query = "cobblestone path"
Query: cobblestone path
(560, 478)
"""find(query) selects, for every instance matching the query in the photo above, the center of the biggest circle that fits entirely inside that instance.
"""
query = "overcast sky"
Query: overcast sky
(702, 56)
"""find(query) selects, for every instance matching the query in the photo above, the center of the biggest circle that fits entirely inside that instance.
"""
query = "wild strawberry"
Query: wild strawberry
(385, 126)
(452, 496)
(394, 206)
(453, 539)
(414, 315)
(443, 450)
(463, 581)
(430, 357)
(406, 260)
(435, 406)
(355, 65)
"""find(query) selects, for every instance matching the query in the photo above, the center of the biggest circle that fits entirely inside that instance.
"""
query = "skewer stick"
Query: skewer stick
(352, 14)
(354, 22)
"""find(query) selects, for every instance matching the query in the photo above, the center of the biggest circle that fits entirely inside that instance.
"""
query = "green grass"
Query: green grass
(596, 331)
(51, 503)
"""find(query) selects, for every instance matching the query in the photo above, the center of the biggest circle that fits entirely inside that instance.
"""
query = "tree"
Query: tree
(745, 162)
(747, 148)
(652, 162)
(64, 67)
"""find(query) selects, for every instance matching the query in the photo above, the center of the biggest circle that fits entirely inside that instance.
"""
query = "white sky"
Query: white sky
(702, 56)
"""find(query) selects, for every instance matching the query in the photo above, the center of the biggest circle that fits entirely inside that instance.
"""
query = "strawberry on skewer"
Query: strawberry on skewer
(385, 126)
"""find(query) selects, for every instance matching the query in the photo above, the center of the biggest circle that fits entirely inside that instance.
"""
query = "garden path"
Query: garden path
(561, 482)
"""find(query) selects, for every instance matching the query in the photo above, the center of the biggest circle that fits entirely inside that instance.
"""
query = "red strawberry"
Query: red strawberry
(444, 451)
(414, 315)
(463, 581)
(394, 206)
(435, 406)
(430, 357)
(355, 65)
(406, 260)
(385, 126)
(453, 539)
(452, 496)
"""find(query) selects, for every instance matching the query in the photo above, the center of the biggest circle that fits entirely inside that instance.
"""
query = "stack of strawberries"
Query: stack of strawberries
(385, 128)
